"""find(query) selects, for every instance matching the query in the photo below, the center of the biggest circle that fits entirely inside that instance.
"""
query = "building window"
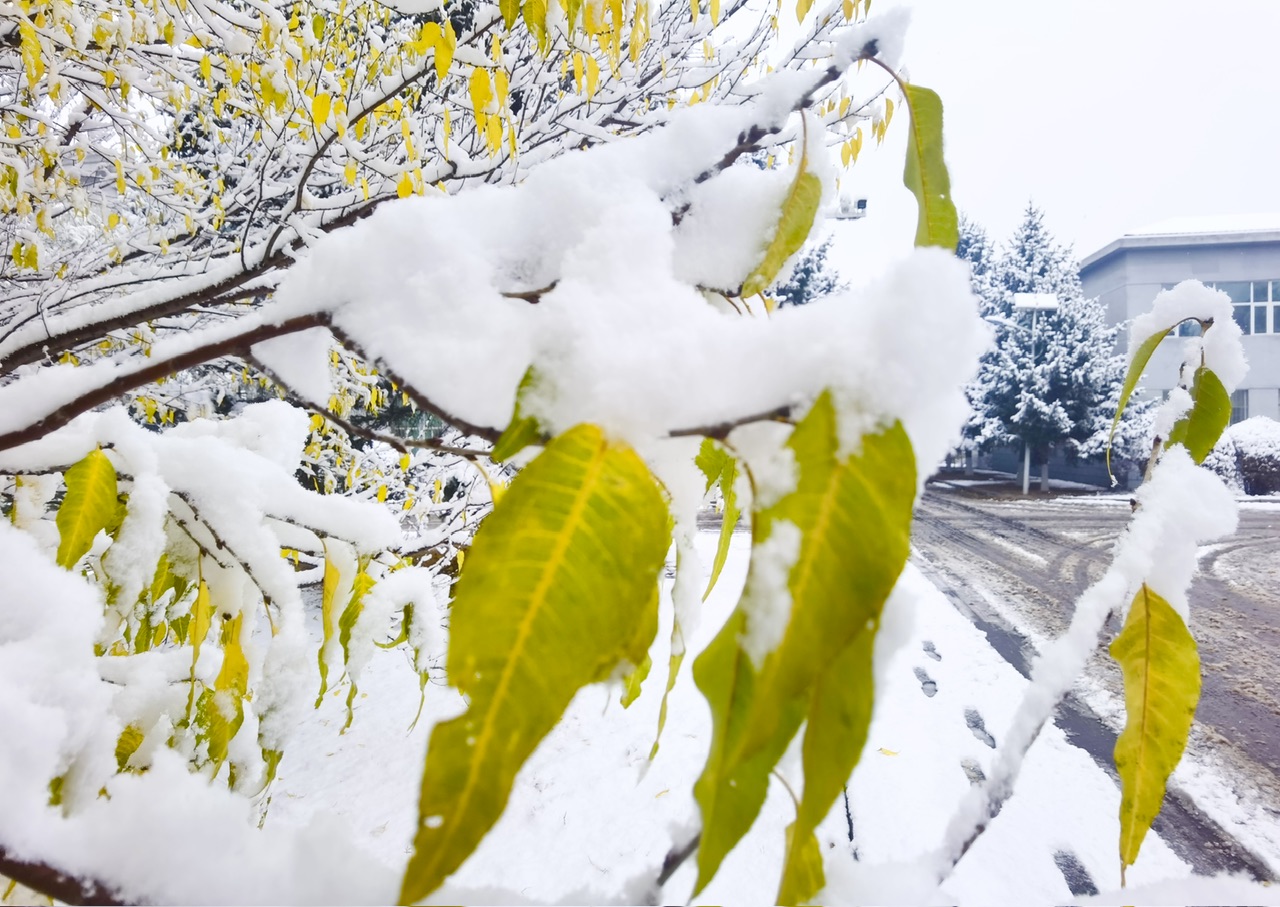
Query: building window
(1252, 301)
(1239, 406)
(1255, 306)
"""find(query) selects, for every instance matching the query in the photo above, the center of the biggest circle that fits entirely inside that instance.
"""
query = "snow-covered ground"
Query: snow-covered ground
(590, 820)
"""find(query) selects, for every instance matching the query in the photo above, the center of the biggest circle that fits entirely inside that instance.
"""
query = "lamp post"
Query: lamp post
(1033, 303)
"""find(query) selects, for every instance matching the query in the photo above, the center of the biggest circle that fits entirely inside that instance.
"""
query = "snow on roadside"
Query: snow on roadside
(588, 822)
(1201, 775)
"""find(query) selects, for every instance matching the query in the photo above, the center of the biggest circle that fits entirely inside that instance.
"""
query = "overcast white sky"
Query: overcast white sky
(1110, 114)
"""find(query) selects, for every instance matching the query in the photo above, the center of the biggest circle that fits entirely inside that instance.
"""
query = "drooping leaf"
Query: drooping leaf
(1137, 365)
(718, 465)
(673, 671)
(220, 709)
(1161, 688)
(535, 17)
(684, 545)
(801, 867)
(346, 623)
(127, 744)
(799, 209)
(710, 461)
(320, 108)
(631, 685)
(89, 506)
(509, 9)
(854, 517)
(1199, 430)
(834, 736)
(926, 171)
(523, 429)
(557, 584)
(201, 619)
(340, 567)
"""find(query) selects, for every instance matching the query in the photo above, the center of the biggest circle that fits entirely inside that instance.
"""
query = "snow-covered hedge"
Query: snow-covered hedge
(1247, 457)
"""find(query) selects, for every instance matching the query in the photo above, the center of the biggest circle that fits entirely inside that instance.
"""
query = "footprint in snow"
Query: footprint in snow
(973, 771)
(931, 650)
(927, 683)
(979, 727)
(1075, 875)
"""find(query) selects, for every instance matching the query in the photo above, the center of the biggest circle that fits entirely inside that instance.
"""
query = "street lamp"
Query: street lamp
(1033, 303)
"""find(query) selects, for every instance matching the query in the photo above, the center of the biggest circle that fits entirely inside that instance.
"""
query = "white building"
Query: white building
(1238, 255)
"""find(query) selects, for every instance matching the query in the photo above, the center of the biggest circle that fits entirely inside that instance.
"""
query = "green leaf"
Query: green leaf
(799, 209)
(201, 619)
(854, 517)
(633, 681)
(718, 465)
(90, 506)
(535, 17)
(1161, 688)
(555, 590)
(1199, 430)
(834, 736)
(802, 866)
(676, 659)
(127, 744)
(510, 9)
(926, 172)
(673, 671)
(339, 565)
(346, 623)
(220, 710)
(523, 429)
(1137, 365)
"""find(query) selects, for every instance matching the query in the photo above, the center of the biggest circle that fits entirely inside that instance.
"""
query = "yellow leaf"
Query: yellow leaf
(1161, 668)
(404, 187)
(90, 505)
(593, 76)
(444, 51)
(887, 752)
(799, 209)
(481, 90)
(320, 109)
(561, 587)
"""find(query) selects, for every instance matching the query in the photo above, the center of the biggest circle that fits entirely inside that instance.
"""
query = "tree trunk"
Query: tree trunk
(969, 457)
(1044, 473)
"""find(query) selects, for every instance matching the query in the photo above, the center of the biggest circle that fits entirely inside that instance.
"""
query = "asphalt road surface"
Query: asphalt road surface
(1021, 563)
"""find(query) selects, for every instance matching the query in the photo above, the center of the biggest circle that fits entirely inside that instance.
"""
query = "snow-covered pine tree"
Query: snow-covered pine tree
(1052, 381)
(975, 247)
(812, 278)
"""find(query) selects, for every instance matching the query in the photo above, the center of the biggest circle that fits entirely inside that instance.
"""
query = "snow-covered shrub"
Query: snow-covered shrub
(1247, 457)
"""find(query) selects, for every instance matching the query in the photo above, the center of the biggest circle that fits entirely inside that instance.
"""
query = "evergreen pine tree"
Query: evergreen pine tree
(1053, 378)
(812, 277)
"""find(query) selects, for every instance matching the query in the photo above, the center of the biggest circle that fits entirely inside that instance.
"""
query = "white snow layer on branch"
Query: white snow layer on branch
(234, 479)
(53, 701)
(621, 341)
(1220, 344)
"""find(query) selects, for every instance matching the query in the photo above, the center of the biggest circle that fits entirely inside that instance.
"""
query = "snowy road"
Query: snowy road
(1018, 565)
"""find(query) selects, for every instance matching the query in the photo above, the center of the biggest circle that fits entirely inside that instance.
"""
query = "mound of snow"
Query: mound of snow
(1247, 456)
